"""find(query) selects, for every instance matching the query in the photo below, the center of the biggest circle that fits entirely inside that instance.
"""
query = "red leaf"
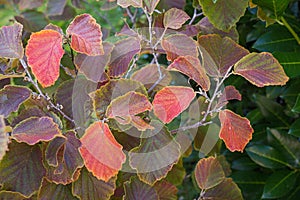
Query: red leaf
(122, 55)
(102, 154)
(124, 108)
(93, 67)
(11, 41)
(219, 54)
(11, 97)
(35, 129)
(209, 173)
(169, 102)
(236, 131)
(86, 35)
(179, 45)
(175, 18)
(261, 69)
(229, 93)
(191, 67)
(3, 138)
(44, 52)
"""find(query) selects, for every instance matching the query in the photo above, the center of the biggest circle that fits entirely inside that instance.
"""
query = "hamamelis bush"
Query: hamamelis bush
(126, 111)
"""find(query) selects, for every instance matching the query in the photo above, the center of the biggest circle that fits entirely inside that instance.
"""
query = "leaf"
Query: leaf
(290, 62)
(169, 102)
(55, 7)
(89, 187)
(243, 164)
(8, 195)
(44, 52)
(236, 131)
(11, 97)
(137, 190)
(35, 129)
(166, 190)
(209, 173)
(227, 190)
(295, 128)
(149, 74)
(32, 20)
(150, 5)
(279, 184)
(25, 4)
(11, 41)
(3, 138)
(134, 3)
(219, 54)
(179, 45)
(168, 4)
(63, 156)
(192, 67)
(12, 75)
(113, 89)
(57, 192)
(174, 18)
(261, 69)
(122, 55)
(296, 107)
(156, 154)
(93, 67)
(276, 7)
(102, 154)
(229, 93)
(125, 108)
(17, 166)
(224, 14)
(86, 35)
(288, 145)
(266, 156)
(207, 28)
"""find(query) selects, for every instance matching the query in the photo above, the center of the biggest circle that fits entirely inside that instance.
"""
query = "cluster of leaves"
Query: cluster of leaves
(87, 116)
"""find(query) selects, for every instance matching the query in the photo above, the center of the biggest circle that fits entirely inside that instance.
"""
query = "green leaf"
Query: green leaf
(276, 39)
(223, 14)
(89, 187)
(209, 173)
(295, 128)
(290, 62)
(3, 138)
(244, 164)
(156, 154)
(279, 184)
(177, 174)
(11, 97)
(21, 169)
(288, 145)
(296, 107)
(267, 156)
(261, 69)
(274, 7)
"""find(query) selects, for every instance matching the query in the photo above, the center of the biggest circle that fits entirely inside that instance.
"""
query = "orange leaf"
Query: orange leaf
(191, 67)
(44, 52)
(86, 35)
(236, 131)
(169, 102)
(102, 154)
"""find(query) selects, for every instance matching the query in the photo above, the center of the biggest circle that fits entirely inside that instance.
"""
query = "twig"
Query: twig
(286, 24)
(131, 16)
(195, 15)
(161, 76)
(135, 59)
(41, 94)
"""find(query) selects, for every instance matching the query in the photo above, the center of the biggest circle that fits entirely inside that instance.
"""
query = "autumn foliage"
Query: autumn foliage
(132, 130)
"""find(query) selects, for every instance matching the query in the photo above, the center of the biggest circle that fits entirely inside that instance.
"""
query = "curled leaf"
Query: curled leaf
(236, 131)
(261, 69)
(44, 52)
(86, 35)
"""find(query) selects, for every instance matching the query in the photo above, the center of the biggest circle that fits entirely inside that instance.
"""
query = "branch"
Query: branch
(41, 94)
(195, 15)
